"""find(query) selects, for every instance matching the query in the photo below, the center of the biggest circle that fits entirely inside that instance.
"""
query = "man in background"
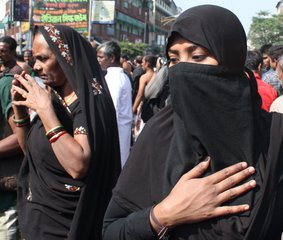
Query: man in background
(108, 56)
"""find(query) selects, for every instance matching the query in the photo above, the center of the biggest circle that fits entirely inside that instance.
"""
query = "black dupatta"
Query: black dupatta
(79, 63)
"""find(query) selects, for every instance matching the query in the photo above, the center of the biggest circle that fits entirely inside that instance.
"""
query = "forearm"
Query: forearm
(120, 224)
(137, 103)
(69, 152)
(9, 147)
(21, 132)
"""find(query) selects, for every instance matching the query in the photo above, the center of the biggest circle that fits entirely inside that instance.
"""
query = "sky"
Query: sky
(244, 9)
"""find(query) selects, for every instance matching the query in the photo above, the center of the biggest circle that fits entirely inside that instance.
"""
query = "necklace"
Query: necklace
(62, 101)
(68, 99)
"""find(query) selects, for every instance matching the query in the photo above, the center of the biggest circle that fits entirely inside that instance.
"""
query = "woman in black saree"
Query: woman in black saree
(71, 146)
(215, 111)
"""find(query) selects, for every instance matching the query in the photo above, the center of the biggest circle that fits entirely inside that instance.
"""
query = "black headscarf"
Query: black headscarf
(79, 63)
(216, 112)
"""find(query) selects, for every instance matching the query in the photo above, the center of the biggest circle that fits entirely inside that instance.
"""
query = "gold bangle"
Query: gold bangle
(22, 120)
(52, 129)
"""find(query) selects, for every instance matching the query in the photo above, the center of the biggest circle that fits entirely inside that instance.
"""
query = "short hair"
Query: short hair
(27, 53)
(111, 49)
(264, 48)
(151, 59)
(125, 57)
(138, 59)
(253, 60)
(275, 52)
(10, 41)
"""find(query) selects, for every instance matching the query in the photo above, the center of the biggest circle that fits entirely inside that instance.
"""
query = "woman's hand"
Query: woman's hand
(196, 199)
(31, 94)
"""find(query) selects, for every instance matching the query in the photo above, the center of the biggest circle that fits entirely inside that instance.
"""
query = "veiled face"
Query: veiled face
(182, 50)
(46, 64)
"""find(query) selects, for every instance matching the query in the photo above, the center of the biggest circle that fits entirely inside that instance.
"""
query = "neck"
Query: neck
(67, 93)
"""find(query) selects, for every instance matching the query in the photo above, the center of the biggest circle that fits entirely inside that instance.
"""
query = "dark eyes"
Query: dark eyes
(194, 58)
(41, 58)
(199, 57)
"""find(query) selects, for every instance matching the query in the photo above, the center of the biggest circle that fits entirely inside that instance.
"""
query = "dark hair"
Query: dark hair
(275, 52)
(264, 48)
(10, 41)
(27, 53)
(151, 59)
(125, 57)
(253, 60)
(139, 59)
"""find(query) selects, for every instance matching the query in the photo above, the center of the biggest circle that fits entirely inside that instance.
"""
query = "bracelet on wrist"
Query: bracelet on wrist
(57, 136)
(162, 230)
(22, 124)
(52, 132)
(21, 120)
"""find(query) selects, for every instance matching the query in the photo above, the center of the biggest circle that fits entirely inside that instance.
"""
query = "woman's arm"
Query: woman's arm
(203, 201)
(138, 99)
(73, 153)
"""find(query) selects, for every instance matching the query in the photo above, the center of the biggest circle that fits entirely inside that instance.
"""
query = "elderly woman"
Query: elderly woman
(215, 111)
(71, 147)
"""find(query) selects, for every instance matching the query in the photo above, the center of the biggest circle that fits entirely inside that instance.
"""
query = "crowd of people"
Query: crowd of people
(184, 146)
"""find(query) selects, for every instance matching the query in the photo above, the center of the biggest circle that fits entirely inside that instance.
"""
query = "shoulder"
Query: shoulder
(277, 105)
(6, 82)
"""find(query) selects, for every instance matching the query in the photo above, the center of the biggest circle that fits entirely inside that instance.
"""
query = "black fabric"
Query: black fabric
(216, 112)
(136, 80)
(140, 183)
(79, 63)
(220, 32)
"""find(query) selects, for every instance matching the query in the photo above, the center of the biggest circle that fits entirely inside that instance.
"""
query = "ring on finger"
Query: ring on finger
(24, 94)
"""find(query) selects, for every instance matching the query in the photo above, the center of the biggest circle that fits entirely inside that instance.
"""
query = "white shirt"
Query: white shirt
(121, 92)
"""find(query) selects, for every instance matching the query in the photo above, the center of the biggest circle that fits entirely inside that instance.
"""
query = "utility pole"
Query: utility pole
(145, 26)
(29, 43)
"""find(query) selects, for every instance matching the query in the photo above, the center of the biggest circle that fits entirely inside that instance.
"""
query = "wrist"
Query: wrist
(160, 229)
(163, 216)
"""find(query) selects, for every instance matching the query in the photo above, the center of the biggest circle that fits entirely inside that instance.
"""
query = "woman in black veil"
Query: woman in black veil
(71, 146)
(215, 111)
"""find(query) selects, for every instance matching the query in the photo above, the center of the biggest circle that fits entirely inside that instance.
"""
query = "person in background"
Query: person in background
(254, 62)
(271, 77)
(215, 111)
(138, 71)
(127, 66)
(8, 61)
(108, 55)
(148, 65)
(277, 105)
(10, 152)
(28, 58)
(266, 60)
(71, 146)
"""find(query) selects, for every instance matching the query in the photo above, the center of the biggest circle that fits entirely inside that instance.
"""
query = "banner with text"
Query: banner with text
(103, 12)
(73, 13)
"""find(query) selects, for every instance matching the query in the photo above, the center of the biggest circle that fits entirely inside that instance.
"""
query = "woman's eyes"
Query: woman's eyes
(173, 61)
(194, 58)
(199, 57)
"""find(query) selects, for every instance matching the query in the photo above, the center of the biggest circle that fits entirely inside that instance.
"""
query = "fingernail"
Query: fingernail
(246, 207)
(252, 183)
(207, 159)
(244, 164)
(251, 169)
